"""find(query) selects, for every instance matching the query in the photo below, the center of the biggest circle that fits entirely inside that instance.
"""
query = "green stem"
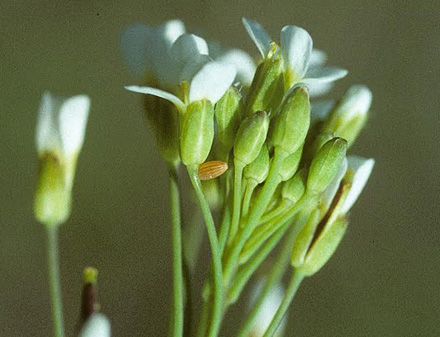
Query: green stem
(245, 274)
(203, 320)
(273, 278)
(250, 187)
(54, 281)
(258, 210)
(178, 287)
(217, 306)
(224, 227)
(275, 212)
(294, 284)
(236, 204)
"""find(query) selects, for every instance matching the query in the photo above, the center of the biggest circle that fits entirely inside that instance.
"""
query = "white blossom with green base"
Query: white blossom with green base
(297, 50)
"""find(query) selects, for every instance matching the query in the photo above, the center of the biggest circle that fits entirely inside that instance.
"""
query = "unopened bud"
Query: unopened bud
(293, 121)
(259, 168)
(267, 88)
(326, 164)
(228, 111)
(250, 137)
(324, 247)
(196, 132)
(349, 116)
(290, 164)
(295, 187)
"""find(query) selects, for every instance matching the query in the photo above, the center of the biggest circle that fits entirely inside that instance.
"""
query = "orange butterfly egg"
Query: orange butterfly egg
(212, 169)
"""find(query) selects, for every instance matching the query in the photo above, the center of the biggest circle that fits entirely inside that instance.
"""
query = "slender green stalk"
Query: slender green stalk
(54, 281)
(245, 274)
(250, 187)
(236, 204)
(294, 284)
(275, 212)
(217, 306)
(263, 200)
(178, 287)
(203, 320)
(273, 278)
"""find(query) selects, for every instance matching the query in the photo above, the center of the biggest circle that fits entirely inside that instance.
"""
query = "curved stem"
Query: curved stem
(250, 187)
(54, 281)
(176, 230)
(294, 284)
(245, 274)
(217, 306)
(236, 204)
(259, 208)
(273, 278)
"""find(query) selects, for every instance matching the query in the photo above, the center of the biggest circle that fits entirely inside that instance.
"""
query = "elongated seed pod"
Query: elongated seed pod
(212, 169)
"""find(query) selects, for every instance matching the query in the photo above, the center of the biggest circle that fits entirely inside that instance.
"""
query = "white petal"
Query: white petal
(193, 66)
(361, 169)
(324, 75)
(187, 46)
(268, 309)
(211, 81)
(98, 325)
(317, 89)
(297, 47)
(159, 93)
(171, 30)
(73, 116)
(321, 110)
(244, 65)
(257, 33)
(318, 58)
(47, 136)
(135, 43)
(330, 191)
(356, 101)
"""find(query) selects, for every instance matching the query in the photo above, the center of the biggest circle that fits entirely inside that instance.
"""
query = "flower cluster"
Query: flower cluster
(289, 175)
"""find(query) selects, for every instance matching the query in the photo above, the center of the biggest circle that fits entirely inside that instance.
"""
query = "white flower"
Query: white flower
(355, 103)
(98, 325)
(147, 51)
(268, 309)
(208, 79)
(244, 64)
(300, 64)
(359, 170)
(59, 138)
(61, 128)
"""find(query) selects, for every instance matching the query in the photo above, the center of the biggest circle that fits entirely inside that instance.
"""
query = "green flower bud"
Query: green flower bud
(250, 137)
(324, 247)
(326, 164)
(53, 195)
(196, 132)
(349, 116)
(228, 111)
(293, 121)
(304, 240)
(290, 165)
(162, 117)
(267, 88)
(295, 187)
(259, 168)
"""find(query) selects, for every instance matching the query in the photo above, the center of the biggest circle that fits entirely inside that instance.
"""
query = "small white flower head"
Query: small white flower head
(356, 102)
(98, 325)
(147, 51)
(359, 171)
(349, 115)
(59, 138)
(61, 126)
(268, 309)
(207, 79)
(301, 63)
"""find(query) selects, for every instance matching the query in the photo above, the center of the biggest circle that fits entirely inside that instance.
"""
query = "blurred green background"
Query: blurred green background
(383, 280)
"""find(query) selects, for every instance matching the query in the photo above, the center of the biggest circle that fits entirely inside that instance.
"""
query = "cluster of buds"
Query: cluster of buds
(285, 158)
